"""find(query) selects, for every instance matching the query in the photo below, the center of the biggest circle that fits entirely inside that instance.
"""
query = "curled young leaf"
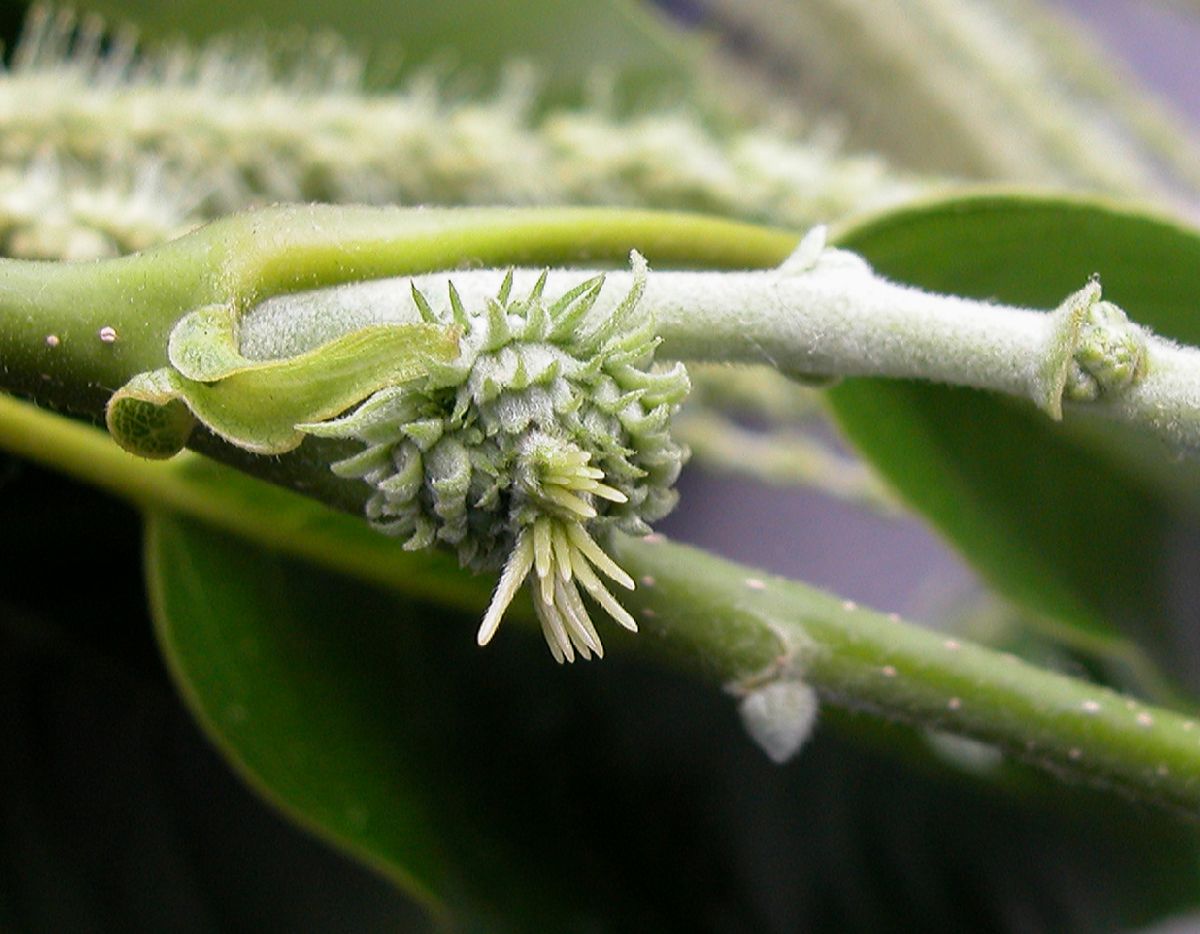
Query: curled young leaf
(256, 405)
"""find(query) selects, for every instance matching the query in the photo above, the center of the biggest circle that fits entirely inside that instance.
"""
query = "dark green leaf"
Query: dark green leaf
(117, 815)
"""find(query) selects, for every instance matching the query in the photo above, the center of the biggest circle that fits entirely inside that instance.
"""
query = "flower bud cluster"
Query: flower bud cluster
(551, 425)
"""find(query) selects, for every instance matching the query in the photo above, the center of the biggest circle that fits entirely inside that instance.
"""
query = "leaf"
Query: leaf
(117, 814)
(1076, 521)
(258, 405)
(340, 710)
(568, 41)
(515, 795)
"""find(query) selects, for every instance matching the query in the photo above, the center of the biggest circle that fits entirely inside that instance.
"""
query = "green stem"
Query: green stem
(700, 612)
(867, 661)
(54, 345)
(71, 334)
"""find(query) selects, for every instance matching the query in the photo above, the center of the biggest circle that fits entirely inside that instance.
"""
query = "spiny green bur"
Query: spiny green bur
(549, 425)
(476, 435)
(511, 432)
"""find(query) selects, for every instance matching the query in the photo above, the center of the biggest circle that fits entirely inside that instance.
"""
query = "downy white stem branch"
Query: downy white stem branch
(824, 313)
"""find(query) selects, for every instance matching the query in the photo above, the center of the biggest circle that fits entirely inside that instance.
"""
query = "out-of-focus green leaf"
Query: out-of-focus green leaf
(117, 815)
(569, 42)
(339, 704)
(1075, 520)
(513, 794)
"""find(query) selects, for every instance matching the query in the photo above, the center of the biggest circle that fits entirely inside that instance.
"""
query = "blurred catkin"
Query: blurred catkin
(244, 125)
(999, 90)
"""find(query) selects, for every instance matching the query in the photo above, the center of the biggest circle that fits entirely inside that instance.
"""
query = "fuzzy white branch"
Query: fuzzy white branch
(825, 313)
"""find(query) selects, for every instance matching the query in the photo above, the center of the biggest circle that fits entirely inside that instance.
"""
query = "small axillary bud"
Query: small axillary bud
(1093, 350)
(777, 706)
(1110, 353)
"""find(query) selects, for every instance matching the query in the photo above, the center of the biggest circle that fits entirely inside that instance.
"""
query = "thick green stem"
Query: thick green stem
(871, 662)
(72, 333)
(731, 623)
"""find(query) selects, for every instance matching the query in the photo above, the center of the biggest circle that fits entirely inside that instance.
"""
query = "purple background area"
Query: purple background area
(1160, 44)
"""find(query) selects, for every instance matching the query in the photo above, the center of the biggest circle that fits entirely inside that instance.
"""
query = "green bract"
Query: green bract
(547, 425)
(256, 405)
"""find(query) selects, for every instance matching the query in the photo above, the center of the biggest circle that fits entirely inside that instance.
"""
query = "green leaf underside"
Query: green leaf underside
(1076, 520)
(508, 794)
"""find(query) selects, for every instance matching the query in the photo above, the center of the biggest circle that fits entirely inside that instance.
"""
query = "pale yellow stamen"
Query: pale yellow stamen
(581, 540)
(577, 615)
(605, 491)
(552, 621)
(556, 555)
(562, 551)
(516, 569)
(568, 501)
(586, 576)
(541, 546)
